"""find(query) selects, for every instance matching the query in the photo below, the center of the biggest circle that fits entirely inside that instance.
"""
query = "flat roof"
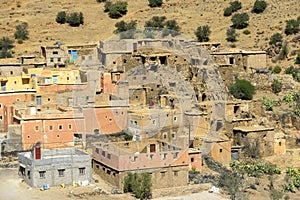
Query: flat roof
(253, 128)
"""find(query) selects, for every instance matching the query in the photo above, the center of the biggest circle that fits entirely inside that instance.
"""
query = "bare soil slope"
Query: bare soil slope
(40, 15)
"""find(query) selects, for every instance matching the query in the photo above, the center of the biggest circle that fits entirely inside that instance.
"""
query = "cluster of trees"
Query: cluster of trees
(116, 10)
(73, 19)
(234, 6)
(7, 44)
(168, 27)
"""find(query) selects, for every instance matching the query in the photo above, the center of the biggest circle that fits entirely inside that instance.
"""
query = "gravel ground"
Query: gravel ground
(205, 195)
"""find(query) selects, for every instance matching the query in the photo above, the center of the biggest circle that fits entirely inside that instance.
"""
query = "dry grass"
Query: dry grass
(40, 15)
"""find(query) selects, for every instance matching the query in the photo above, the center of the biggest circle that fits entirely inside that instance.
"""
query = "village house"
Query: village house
(263, 140)
(167, 164)
(52, 128)
(60, 55)
(68, 166)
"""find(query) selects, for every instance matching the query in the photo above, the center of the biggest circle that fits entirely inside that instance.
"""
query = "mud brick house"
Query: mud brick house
(167, 163)
(267, 140)
(59, 55)
(55, 167)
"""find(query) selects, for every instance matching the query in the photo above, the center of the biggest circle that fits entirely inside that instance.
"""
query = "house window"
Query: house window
(28, 174)
(60, 127)
(58, 136)
(49, 99)
(175, 119)
(192, 160)
(103, 153)
(42, 174)
(61, 172)
(11, 72)
(163, 174)
(173, 135)
(82, 171)
(97, 166)
(50, 128)
(164, 156)
(58, 59)
(55, 52)
(278, 143)
(220, 150)
(154, 122)
(28, 136)
(51, 60)
(150, 156)
(70, 126)
(97, 150)
(133, 158)
(108, 155)
(175, 155)
(175, 173)
(36, 128)
(0, 105)
(68, 78)
(0, 117)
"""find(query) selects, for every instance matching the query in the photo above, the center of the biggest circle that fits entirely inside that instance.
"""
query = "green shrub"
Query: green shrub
(240, 21)
(172, 28)
(75, 19)
(107, 6)
(155, 3)
(276, 86)
(298, 59)
(242, 89)
(138, 184)
(295, 72)
(156, 22)
(235, 6)
(125, 29)
(116, 10)
(259, 6)
(6, 44)
(20, 41)
(268, 104)
(277, 69)
(292, 27)
(21, 31)
(231, 35)
(277, 37)
(61, 17)
(228, 11)
(202, 33)
(246, 32)
(283, 52)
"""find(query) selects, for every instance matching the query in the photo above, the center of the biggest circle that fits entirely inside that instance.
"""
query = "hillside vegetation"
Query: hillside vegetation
(190, 14)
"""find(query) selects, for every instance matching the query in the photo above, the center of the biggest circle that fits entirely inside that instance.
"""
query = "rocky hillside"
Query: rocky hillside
(43, 30)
